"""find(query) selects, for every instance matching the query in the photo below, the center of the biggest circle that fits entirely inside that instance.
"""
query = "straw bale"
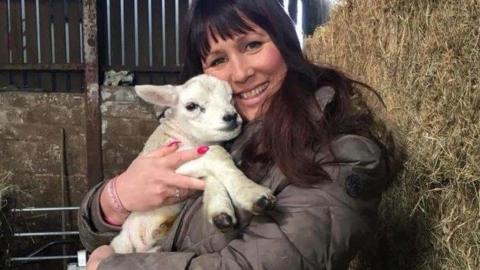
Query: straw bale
(423, 56)
(4, 186)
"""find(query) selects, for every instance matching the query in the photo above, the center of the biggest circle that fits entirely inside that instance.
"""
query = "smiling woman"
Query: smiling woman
(250, 63)
(309, 137)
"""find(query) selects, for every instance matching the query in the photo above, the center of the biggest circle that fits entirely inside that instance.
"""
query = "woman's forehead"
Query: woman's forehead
(213, 37)
(217, 33)
(218, 29)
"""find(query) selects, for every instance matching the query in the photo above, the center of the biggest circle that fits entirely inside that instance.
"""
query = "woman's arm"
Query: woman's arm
(149, 182)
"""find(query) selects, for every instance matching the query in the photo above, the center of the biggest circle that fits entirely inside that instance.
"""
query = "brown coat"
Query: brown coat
(319, 227)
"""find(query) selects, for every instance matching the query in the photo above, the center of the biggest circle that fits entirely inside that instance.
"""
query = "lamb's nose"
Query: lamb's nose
(229, 118)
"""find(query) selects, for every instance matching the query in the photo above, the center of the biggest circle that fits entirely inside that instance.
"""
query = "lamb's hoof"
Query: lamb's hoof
(223, 222)
(263, 204)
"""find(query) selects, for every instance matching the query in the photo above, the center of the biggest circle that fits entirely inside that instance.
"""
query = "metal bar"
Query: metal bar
(52, 40)
(164, 50)
(122, 27)
(177, 33)
(24, 29)
(82, 60)
(143, 69)
(150, 41)
(45, 209)
(67, 39)
(109, 33)
(39, 47)
(60, 67)
(45, 234)
(92, 95)
(42, 258)
(135, 29)
(9, 19)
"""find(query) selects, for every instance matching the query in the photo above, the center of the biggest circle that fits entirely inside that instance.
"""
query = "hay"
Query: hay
(5, 186)
(423, 56)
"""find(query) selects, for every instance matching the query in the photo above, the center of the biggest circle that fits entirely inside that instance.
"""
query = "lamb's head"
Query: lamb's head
(202, 106)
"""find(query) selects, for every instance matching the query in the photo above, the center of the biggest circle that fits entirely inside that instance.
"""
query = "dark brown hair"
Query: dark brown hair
(295, 126)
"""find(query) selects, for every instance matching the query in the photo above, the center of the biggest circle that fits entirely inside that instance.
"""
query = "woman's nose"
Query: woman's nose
(241, 70)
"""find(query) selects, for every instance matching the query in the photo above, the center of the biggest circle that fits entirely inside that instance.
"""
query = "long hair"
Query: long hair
(291, 123)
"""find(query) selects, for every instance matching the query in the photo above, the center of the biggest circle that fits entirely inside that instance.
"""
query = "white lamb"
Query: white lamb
(200, 112)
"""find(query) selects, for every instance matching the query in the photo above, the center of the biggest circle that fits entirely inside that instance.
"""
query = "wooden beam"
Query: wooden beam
(43, 67)
(92, 95)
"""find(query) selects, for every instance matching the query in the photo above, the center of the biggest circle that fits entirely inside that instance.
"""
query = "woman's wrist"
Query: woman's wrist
(111, 206)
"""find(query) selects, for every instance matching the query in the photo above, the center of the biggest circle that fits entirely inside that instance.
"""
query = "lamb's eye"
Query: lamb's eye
(191, 106)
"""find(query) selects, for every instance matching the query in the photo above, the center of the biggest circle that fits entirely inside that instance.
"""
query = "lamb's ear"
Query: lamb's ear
(162, 95)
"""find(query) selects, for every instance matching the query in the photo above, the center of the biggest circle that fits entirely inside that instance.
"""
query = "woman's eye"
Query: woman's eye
(191, 106)
(254, 45)
(217, 61)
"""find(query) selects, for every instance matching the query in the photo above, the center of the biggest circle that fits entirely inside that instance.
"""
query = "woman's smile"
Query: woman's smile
(254, 92)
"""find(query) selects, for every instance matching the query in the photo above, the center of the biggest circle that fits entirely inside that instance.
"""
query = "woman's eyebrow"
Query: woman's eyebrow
(213, 52)
(239, 39)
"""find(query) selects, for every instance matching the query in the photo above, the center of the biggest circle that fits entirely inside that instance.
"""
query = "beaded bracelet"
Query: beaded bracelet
(114, 199)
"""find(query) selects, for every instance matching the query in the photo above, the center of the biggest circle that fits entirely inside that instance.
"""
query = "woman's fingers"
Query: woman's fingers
(178, 195)
(164, 151)
(185, 182)
(176, 159)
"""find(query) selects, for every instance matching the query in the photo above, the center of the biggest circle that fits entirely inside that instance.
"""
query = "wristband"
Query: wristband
(114, 198)
(109, 221)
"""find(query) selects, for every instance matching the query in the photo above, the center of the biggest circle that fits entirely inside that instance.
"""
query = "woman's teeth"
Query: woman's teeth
(255, 92)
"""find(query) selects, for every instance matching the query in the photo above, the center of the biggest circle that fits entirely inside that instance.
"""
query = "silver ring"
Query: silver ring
(177, 193)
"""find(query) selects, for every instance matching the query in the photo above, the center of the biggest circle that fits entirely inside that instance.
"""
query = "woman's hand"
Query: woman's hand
(150, 181)
(98, 255)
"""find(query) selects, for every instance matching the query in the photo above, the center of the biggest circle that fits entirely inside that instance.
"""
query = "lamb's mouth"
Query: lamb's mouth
(231, 127)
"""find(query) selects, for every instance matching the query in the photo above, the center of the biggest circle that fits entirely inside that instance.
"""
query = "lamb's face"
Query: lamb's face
(205, 109)
(202, 107)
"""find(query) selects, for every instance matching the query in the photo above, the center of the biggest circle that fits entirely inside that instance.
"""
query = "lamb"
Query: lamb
(199, 112)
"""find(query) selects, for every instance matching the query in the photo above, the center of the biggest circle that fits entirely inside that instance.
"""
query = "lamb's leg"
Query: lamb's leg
(218, 205)
(231, 185)
(121, 243)
(244, 192)
(216, 200)
(142, 230)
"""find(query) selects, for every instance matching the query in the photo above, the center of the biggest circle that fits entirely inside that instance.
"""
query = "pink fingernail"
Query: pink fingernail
(202, 149)
(173, 142)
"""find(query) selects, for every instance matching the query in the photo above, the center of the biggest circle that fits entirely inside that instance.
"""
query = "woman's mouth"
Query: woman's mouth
(254, 92)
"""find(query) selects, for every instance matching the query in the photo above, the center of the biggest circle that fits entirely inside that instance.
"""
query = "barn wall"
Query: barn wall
(31, 144)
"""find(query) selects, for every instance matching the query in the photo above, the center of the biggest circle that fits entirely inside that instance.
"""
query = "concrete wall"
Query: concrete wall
(31, 145)
(127, 122)
(31, 140)
(34, 158)
(31, 155)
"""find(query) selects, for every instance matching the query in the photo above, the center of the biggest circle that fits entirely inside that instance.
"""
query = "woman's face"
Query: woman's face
(251, 64)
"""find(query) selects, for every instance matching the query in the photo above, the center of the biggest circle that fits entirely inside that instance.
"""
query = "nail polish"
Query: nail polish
(202, 149)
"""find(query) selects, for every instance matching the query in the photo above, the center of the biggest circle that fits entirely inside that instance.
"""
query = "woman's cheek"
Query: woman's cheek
(219, 74)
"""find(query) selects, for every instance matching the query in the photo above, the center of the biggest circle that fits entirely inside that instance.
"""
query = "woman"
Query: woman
(309, 137)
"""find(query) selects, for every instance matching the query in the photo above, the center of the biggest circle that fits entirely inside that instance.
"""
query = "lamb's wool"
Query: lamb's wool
(206, 124)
